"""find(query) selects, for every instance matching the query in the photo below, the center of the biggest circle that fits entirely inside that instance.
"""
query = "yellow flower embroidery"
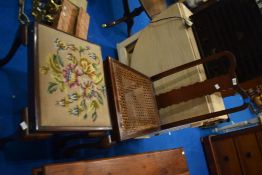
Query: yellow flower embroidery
(87, 67)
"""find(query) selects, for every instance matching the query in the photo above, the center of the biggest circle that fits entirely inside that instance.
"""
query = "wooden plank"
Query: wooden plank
(170, 162)
(226, 156)
(259, 140)
(82, 24)
(80, 3)
(249, 154)
(66, 20)
(213, 166)
(245, 85)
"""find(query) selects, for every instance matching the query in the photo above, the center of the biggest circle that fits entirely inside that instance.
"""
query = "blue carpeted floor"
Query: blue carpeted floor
(21, 157)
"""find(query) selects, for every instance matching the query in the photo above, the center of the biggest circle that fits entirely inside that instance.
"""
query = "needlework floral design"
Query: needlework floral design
(76, 70)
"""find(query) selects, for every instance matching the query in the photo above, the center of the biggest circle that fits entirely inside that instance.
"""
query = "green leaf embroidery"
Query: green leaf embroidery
(58, 60)
(100, 98)
(81, 49)
(52, 87)
(94, 66)
(85, 116)
(103, 90)
(94, 116)
(83, 104)
(93, 106)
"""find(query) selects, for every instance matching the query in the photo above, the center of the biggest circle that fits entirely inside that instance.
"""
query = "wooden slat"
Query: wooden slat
(213, 166)
(227, 158)
(259, 140)
(249, 154)
(170, 162)
(237, 152)
(245, 85)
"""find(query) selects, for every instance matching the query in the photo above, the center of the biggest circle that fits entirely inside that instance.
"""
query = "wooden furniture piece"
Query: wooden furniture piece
(72, 19)
(151, 7)
(221, 25)
(135, 107)
(66, 15)
(159, 50)
(67, 18)
(238, 152)
(170, 162)
(82, 24)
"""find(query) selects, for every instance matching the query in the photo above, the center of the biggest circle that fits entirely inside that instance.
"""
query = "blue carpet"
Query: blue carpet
(20, 157)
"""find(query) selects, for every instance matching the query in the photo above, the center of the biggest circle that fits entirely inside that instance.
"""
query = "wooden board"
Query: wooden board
(68, 88)
(67, 18)
(170, 162)
(167, 44)
(250, 154)
(82, 24)
(80, 3)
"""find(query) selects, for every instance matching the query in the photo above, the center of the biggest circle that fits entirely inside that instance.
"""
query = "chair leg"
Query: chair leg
(106, 142)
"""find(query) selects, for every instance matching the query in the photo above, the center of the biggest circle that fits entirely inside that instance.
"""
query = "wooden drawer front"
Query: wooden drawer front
(249, 154)
(226, 157)
(259, 139)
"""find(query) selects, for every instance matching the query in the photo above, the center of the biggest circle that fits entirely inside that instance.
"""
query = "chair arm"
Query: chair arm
(216, 56)
(199, 89)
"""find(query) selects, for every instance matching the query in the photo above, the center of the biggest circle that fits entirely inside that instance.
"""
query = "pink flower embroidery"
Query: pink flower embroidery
(71, 75)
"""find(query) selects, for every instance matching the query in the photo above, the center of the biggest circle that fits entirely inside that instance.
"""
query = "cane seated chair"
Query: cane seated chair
(135, 107)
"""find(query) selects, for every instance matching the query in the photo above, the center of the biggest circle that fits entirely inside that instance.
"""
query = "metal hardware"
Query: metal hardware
(236, 126)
